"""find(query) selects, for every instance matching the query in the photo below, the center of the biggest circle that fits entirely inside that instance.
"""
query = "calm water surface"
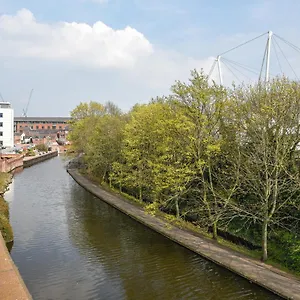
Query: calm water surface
(71, 245)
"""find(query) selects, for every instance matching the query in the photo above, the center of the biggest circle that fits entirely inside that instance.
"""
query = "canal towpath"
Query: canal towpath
(275, 280)
(11, 283)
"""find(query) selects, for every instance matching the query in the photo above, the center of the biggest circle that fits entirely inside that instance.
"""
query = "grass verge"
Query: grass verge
(5, 227)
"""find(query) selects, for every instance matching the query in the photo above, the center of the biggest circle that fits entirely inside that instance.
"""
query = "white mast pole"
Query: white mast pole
(270, 33)
(220, 70)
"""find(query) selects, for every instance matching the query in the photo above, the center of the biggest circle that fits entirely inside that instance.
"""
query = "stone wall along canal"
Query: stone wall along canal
(71, 245)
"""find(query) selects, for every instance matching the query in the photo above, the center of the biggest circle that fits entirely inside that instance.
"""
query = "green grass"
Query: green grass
(5, 228)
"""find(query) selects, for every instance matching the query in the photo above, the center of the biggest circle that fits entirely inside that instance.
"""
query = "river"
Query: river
(71, 245)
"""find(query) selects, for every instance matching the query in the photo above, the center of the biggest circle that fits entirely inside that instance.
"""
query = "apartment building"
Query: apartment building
(6, 125)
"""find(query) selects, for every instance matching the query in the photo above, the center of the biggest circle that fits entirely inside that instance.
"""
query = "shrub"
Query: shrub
(41, 148)
(285, 249)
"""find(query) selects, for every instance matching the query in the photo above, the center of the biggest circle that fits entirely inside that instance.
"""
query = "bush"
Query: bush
(30, 152)
(41, 148)
(5, 227)
(284, 247)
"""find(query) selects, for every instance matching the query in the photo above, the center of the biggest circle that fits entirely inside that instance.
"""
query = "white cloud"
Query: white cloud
(98, 45)
(67, 63)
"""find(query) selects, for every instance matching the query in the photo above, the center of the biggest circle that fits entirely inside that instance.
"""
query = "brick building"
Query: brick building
(40, 127)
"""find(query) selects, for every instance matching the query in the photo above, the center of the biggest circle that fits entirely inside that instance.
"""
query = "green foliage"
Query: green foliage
(285, 249)
(223, 158)
(30, 152)
(41, 148)
(152, 208)
(96, 131)
(5, 227)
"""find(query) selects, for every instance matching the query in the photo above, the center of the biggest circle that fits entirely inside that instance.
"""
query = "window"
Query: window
(53, 126)
(60, 127)
(21, 126)
(1, 143)
(1, 133)
(37, 127)
(49, 127)
(1, 115)
(1, 124)
(42, 127)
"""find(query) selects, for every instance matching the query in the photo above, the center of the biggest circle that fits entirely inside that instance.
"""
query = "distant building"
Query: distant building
(40, 127)
(6, 125)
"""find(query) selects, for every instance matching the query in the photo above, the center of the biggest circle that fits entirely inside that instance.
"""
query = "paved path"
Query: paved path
(12, 286)
(279, 282)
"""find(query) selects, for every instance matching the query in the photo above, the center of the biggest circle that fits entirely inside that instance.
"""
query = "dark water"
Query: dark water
(70, 245)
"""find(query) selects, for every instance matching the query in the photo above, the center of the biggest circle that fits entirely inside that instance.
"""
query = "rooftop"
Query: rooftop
(5, 105)
(42, 119)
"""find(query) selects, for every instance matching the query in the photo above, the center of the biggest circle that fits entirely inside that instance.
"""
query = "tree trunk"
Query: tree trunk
(264, 240)
(140, 194)
(109, 182)
(215, 231)
(177, 209)
(103, 177)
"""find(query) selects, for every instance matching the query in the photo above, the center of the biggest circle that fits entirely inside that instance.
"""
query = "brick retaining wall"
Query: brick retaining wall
(9, 162)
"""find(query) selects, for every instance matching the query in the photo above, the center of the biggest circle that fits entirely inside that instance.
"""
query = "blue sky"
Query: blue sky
(50, 47)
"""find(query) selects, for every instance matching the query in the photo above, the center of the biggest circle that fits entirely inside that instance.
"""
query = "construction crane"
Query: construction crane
(26, 109)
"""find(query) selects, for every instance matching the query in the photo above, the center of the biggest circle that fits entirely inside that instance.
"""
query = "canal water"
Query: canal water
(71, 245)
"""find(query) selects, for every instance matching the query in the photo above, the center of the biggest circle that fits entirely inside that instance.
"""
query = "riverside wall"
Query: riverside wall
(33, 160)
(275, 280)
(9, 162)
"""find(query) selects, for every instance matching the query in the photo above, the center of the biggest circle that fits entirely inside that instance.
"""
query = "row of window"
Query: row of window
(1, 132)
(42, 127)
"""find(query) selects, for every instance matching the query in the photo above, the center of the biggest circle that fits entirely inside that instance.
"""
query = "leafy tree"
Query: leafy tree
(156, 154)
(83, 119)
(104, 145)
(269, 133)
(228, 157)
(205, 106)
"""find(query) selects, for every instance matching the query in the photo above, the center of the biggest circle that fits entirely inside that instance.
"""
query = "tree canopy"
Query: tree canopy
(228, 159)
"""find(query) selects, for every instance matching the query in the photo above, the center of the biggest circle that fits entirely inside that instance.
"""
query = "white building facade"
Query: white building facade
(6, 125)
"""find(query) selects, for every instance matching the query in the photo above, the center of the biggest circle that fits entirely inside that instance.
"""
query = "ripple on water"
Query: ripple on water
(70, 245)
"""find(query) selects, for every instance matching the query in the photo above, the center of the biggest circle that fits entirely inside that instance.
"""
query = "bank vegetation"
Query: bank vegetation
(226, 160)
(5, 227)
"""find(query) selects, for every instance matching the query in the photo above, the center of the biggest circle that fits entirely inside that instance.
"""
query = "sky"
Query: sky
(128, 51)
